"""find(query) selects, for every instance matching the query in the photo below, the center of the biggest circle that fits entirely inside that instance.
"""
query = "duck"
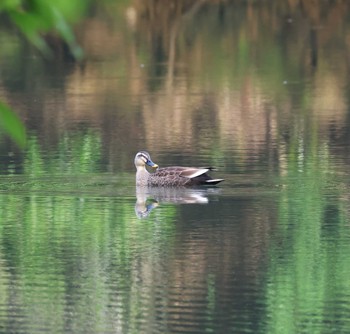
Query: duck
(170, 176)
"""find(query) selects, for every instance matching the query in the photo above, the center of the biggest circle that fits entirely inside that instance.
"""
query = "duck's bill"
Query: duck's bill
(152, 164)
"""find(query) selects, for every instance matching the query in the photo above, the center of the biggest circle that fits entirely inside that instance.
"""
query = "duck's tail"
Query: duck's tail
(213, 181)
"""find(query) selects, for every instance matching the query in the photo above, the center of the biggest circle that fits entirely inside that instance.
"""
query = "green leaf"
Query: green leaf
(66, 33)
(9, 4)
(36, 18)
(12, 125)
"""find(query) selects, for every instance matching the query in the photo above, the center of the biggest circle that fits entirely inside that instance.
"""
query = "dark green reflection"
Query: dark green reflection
(77, 152)
(63, 256)
(309, 270)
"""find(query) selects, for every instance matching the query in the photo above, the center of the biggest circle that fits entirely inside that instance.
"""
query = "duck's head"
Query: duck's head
(142, 159)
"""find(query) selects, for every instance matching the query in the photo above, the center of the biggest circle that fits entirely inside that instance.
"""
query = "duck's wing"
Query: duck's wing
(191, 172)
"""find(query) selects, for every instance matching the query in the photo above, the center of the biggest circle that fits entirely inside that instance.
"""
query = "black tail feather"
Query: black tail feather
(213, 181)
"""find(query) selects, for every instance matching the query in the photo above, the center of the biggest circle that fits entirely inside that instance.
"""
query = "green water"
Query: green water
(258, 90)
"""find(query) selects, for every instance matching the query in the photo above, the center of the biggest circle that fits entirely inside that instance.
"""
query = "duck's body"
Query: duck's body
(170, 176)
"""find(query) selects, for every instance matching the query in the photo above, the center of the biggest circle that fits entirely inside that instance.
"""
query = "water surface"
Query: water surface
(258, 90)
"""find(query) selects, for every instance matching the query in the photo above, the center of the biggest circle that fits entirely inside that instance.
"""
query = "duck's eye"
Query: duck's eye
(143, 157)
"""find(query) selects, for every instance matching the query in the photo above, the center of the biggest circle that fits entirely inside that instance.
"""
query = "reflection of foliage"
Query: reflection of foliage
(12, 125)
(302, 271)
(77, 153)
(87, 254)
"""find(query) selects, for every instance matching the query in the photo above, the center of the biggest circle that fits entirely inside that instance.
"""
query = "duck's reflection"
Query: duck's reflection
(149, 198)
